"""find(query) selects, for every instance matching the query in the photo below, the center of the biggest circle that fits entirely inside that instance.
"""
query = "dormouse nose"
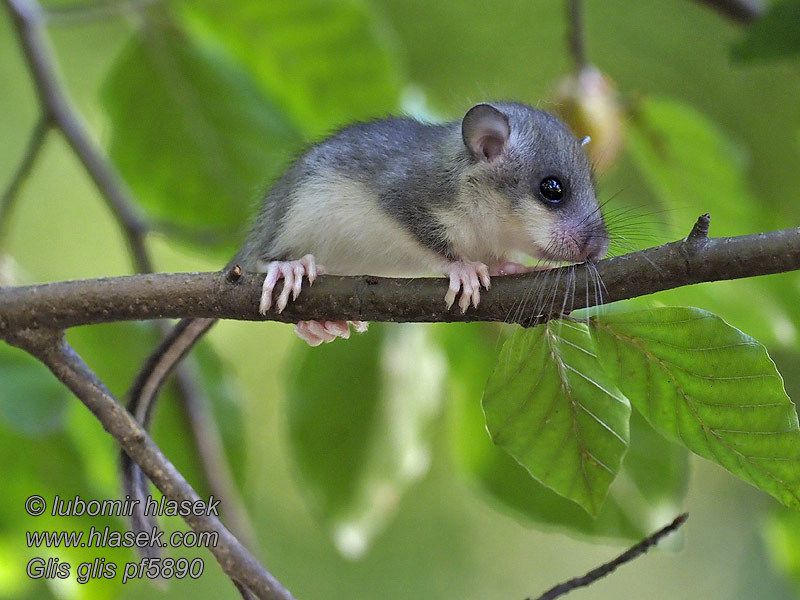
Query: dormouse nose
(595, 245)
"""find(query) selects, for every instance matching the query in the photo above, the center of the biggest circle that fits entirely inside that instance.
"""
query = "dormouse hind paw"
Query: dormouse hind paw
(316, 332)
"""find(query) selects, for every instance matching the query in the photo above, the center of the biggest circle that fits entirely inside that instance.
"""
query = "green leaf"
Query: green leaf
(193, 134)
(472, 350)
(776, 35)
(116, 365)
(326, 62)
(358, 416)
(708, 386)
(32, 400)
(551, 406)
(688, 161)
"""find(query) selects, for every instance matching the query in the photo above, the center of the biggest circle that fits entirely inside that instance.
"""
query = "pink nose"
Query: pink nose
(595, 247)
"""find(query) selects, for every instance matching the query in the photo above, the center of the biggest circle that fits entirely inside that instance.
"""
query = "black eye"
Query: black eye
(551, 189)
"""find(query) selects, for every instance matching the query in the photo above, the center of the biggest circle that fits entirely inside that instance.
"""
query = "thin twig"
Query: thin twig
(51, 348)
(32, 150)
(28, 20)
(700, 230)
(576, 35)
(367, 298)
(611, 566)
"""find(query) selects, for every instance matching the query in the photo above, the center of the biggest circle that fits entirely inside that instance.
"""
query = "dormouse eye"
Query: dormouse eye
(551, 190)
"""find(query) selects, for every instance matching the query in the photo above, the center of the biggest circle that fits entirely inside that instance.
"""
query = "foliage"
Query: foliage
(550, 407)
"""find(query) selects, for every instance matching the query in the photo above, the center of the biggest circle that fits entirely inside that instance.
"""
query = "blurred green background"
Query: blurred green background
(200, 103)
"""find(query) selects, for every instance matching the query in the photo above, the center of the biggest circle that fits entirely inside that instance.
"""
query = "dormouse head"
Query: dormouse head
(530, 164)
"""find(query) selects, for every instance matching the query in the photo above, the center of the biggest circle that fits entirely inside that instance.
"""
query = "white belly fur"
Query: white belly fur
(340, 223)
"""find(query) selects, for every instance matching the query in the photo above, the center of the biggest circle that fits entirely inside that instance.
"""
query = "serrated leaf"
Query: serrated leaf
(551, 406)
(472, 350)
(358, 416)
(192, 133)
(708, 386)
(773, 36)
(327, 62)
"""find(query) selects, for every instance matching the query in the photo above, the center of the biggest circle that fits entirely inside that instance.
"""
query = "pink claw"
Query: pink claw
(292, 273)
(466, 277)
(316, 332)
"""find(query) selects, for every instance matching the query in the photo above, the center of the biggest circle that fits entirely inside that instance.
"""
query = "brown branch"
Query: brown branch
(740, 11)
(611, 566)
(28, 20)
(58, 111)
(212, 295)
(51, 348)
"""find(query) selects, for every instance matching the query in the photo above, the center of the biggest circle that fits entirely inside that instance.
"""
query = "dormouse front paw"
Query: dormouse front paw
(292, 273)
(466, 277)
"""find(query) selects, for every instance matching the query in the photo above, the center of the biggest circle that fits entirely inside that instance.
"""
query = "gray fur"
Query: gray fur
(416, 172)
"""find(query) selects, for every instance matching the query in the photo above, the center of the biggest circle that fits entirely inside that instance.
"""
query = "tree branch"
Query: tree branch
(28, 20)
(611, 566)
(51, 348)
(214, 295)
(57, 111)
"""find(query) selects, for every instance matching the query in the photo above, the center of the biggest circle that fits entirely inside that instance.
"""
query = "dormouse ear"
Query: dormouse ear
(485, 131)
